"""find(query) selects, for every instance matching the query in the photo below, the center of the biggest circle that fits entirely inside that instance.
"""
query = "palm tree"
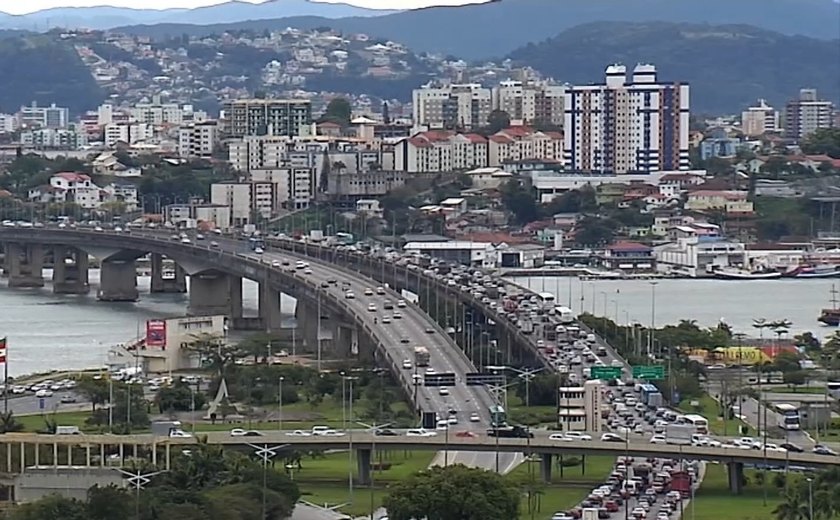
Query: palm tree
(8, 423)
(792, 507)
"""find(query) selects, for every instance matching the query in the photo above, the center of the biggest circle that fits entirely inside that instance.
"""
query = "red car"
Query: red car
(466, 434)
(611, 506)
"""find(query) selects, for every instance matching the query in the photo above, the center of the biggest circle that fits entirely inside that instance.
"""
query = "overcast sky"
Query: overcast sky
(20, 7)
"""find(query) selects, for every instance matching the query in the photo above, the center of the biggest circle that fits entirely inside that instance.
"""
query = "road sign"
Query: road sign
(485, 378)
(649, 372)
(445, 379)
(606, 373)
(41, 403)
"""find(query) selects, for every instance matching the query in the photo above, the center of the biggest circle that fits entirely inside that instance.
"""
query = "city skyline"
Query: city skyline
(39, 5)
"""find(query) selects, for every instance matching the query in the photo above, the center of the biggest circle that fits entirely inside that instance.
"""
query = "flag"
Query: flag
(3, 350)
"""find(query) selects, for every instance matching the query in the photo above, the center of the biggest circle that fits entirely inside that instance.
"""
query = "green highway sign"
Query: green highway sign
(605, 373)
(649, 372)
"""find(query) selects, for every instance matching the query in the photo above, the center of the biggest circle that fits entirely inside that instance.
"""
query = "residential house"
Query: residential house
(728, 201)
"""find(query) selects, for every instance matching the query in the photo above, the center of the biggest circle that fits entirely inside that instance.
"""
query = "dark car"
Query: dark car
(792, 447)
(386, 433)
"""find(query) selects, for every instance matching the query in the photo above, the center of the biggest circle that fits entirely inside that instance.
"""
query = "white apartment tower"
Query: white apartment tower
(807, 114)
(464, 106)
(759, 120)
(197, 140)
(529, 103)
(627, 125)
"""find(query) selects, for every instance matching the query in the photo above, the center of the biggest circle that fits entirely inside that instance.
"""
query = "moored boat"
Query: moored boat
(814, 271)
(831, 316)
(731, 273)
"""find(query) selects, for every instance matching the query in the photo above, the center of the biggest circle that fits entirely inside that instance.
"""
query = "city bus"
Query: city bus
(787, 416)
(498, 417)
(545, 300)
(833, 388)
(700, 423)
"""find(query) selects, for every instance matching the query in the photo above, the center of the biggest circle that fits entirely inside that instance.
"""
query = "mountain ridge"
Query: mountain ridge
(232, 11)
(728, 66)
(475, 31)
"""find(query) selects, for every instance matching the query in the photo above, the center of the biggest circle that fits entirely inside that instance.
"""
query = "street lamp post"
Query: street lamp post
(810, 499)
(280, 403)
(652, 317)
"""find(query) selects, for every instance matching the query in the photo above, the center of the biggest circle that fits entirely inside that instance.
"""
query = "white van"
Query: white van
(67, 430)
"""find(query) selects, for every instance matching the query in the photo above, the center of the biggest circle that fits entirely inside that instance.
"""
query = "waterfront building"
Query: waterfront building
(696, 255)
(627, 125)
(628, 257)
(806, 114)
(474, 254)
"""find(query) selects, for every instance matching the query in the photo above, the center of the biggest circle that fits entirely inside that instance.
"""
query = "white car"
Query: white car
(558, 437)
(275, 263)
(349, 295)
(420, 432)
(443, 391)
(259, 251)
(299, 433)
(577, 436)
(401, 304)
(307, 271)
(372, 307)
(658, 439)
(44, 392)
(407, 365)
(386, 320)
(239, 432)
(179, 434)
(368, 291)
(474, 417)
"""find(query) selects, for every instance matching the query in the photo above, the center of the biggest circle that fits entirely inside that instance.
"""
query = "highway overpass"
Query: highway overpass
(215, 288)
(19, 451)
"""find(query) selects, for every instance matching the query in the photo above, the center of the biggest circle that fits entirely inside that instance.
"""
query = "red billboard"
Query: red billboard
(156, 334)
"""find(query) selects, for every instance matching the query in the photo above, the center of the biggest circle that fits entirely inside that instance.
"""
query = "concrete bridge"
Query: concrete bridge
(21, 451)
(330, 321)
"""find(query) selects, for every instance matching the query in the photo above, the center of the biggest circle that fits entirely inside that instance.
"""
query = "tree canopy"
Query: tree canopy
(338, 111)
(453, 493)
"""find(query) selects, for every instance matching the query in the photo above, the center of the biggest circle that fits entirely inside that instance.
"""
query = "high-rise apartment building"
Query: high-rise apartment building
(530, 103)
(452, 107)
(277, 117)
(807, 114)
(759, 119)
(197, 140)
(627, 125)
(52, 116)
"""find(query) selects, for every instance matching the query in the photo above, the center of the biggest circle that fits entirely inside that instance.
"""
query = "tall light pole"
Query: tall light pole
(138, 480)
(810, 498)
(652, 317)
(280, 403)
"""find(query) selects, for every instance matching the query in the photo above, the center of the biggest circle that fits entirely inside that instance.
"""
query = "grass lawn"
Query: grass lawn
(33, 423)
(597, 470)
(336, 495)
(710, 410)
(813, 390)
(715, 502)
(334, 467)
(552, 499)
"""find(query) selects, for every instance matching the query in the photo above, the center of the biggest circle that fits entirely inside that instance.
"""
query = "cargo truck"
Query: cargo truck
(421, 356)
(589, 513)
(679, 434)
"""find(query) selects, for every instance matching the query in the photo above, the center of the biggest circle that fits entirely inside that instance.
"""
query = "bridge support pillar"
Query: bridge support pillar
(70, 277)
(736, 477)
(214, 293)
(270, 308)
(118, 281)
(363, 461)
(24, 264)
(175, 282)
(546, 459)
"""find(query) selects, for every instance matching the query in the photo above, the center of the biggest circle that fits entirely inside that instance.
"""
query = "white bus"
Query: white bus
(545, 300)
(787, 416)
(833, 388)
(564, 314)
(700, 423)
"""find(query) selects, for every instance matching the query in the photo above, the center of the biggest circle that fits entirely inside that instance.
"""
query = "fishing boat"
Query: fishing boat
(814, 271)
(831, 316)
(734, 273)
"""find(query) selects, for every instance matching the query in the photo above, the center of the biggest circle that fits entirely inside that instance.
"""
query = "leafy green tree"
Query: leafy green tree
(795, 378)
(541, 391)
(453, 493)
(497, 120)
(339, 111)
(786, 362)
(94, 390)
(519, 200)
(108, 503)
(594, 231)
(179, 397)
(52, 507)
(823, 141)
